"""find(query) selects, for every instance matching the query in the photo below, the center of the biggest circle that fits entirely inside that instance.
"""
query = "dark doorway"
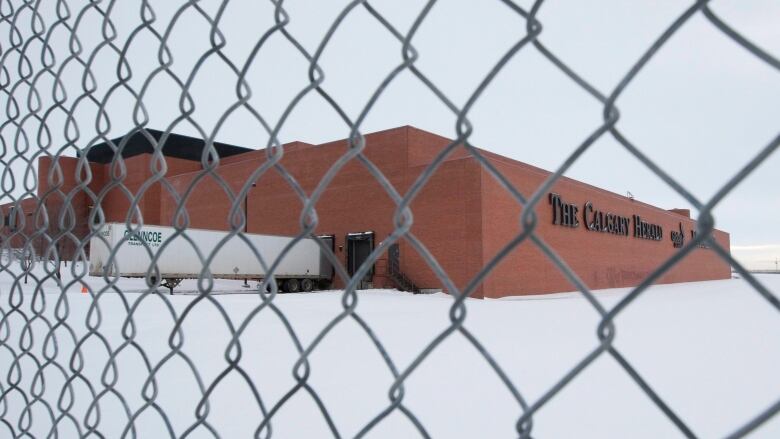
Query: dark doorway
(359, 246)
(326, 268)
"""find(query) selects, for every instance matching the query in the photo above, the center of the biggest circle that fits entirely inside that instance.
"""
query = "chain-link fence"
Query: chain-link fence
(54, 69)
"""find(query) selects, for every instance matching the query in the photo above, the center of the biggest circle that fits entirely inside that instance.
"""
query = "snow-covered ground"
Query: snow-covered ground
(711, 350)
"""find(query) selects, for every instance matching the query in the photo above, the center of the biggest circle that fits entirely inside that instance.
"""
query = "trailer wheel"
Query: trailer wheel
(292, 285)
(307, 285)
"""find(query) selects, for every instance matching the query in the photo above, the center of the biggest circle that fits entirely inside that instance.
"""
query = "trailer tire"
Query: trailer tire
(292, 286)
(307, 285)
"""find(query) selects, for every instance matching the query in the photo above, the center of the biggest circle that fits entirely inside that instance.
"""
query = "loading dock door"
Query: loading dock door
(359, 246)
(326, 268)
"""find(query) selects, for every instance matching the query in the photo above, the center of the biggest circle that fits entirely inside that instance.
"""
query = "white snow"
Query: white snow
(711, 350)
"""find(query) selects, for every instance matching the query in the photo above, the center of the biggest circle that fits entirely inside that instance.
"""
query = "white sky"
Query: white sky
(700, 109)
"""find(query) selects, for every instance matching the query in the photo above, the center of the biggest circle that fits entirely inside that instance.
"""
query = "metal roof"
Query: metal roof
(176, 145)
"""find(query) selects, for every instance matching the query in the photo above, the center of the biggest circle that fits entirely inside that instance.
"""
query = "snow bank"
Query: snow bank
(709, 349)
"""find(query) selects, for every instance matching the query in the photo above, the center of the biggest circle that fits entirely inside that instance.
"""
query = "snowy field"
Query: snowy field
(711, 350)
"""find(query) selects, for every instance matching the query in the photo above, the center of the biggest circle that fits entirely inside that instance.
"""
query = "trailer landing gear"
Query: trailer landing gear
(170, 283)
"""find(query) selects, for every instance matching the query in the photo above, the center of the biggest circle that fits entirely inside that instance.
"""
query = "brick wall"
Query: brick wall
(462, 215)
(601, 260)
(445, 212)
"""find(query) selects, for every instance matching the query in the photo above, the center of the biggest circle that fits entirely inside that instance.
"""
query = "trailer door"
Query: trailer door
(359, 246)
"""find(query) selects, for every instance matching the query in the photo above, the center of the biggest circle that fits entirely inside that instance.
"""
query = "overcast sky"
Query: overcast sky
(700, 109)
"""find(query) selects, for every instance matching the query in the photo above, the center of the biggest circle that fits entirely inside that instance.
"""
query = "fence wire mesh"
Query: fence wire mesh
(44, 86)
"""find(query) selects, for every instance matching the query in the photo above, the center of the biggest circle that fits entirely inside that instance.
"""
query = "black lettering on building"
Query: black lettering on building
(564, 214)
(598, 221)
(678, 238)
(645, 230)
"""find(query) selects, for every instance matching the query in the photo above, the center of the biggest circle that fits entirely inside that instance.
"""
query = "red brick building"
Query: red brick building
(462, 215)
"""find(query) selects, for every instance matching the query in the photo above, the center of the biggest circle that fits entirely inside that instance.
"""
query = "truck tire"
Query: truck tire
(292, 285)
(307, 285)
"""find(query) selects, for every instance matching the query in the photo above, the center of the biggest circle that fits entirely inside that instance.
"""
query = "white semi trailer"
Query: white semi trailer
(303, 268)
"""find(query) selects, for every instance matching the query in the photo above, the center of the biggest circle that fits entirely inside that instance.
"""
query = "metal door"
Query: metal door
(326, 268)
(394, 259)
(359, 246)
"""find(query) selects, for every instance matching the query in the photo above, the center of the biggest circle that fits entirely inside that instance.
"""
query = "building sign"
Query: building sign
(605, 222)
(701, 244)
(564, 214)
(596, 220)
(678, 238)
(645, 230)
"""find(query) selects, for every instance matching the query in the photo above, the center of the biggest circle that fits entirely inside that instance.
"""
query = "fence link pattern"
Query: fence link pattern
(32, 73)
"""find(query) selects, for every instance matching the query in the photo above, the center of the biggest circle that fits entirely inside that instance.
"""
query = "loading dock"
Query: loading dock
(359, 247)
